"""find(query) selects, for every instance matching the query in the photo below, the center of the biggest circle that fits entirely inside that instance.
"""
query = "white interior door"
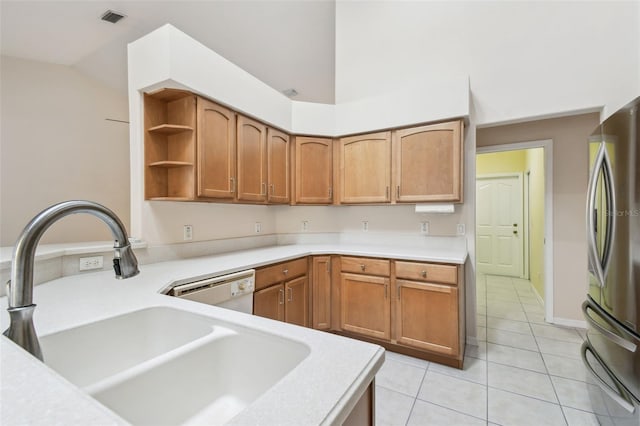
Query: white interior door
(499, 239)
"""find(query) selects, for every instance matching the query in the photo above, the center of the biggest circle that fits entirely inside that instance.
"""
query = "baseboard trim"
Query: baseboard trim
(570, 323)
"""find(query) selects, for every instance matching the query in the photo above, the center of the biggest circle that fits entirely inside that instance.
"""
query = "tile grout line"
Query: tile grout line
(424, 375)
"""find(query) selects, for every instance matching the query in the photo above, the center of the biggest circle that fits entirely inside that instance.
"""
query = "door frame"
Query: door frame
(520, 177)
(547, 145)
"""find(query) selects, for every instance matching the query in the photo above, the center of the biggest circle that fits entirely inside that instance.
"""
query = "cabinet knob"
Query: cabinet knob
(363, 266)
(286, 271)
(424, 274)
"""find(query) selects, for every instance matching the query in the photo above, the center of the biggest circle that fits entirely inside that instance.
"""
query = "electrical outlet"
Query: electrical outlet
(365, 225)
(424, 227)
(187, 233)
(460, 229)
(305, 225)
(89, 263)
(258, 227)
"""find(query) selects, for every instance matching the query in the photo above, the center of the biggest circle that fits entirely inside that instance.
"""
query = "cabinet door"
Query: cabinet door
(313, 170)
(216, 139)
(428, 163)
(365, 305)
(427, 316)
(269, 302)
(251, 148)
(297, 301)
(321, 292)
(365, 168)
(278, 166)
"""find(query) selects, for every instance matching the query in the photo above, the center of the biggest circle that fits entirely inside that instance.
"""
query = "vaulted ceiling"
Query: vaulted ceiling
(286, 44)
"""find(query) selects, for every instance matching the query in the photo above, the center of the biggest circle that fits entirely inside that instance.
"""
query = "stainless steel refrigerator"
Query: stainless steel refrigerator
(612, 309)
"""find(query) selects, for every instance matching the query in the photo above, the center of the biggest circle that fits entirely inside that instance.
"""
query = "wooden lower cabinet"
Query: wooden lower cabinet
(321, 292)
(282, 292)
(288, 302)
(269, 302)
(365, 305)
(296, 307)
(427, 316)
(415, 308)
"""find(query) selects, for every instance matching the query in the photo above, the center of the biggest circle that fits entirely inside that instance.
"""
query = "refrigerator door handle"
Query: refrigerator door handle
(618, 395)
(594, 258)
(611, 211)
(615, 338)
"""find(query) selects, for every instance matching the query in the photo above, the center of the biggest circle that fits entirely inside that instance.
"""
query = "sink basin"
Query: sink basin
(209, 384)
(167, 366)
(87, 354)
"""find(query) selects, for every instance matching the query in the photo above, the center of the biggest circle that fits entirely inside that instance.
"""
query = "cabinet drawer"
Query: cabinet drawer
(431, 272)
(280, 272)
(361, 265)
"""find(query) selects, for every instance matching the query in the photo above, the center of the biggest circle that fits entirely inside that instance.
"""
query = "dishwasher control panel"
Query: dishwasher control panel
(242, 286)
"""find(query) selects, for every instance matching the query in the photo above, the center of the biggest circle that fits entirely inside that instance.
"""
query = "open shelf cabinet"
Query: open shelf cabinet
(170, 145)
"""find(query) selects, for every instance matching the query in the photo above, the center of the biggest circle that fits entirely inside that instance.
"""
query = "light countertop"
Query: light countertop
(320, 390)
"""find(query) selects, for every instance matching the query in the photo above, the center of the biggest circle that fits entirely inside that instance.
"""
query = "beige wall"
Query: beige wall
(570, 172)
(56, 145)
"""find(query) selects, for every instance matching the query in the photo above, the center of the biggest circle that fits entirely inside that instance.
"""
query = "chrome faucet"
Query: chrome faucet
(20, 287)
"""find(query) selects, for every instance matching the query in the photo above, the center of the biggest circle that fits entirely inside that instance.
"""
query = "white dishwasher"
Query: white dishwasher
(232, 291)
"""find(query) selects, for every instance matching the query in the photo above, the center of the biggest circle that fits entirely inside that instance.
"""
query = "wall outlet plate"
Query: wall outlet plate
(305, 225)
(93, 262)
(424, 227)
(365, 225)
(258, 227)
(187, 233)
(460, 229)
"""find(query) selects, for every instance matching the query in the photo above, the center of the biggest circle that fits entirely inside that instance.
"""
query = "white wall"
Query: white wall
(56, 145)
(524, 59)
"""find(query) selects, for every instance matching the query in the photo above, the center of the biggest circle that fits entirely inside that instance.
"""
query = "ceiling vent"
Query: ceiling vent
(111, 16)
(290, 92)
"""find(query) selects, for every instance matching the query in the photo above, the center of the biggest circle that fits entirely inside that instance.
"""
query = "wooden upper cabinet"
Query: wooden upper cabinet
(313, 170)
(278, 167)
(428, 163)
(216, 149)
(251, 149)
(365, 168)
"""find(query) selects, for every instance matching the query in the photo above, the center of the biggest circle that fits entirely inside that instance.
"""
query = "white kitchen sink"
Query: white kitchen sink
(165, 366)
(209, 384)
(87, 354)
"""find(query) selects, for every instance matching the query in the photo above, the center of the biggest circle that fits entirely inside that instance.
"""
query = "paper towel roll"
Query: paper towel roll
(435, 208)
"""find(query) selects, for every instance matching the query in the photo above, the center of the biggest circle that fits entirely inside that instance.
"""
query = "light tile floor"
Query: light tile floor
(522, 372)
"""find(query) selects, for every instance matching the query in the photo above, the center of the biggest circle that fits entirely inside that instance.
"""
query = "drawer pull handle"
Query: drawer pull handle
(286, 271)
(363, 266)
(424, 274)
